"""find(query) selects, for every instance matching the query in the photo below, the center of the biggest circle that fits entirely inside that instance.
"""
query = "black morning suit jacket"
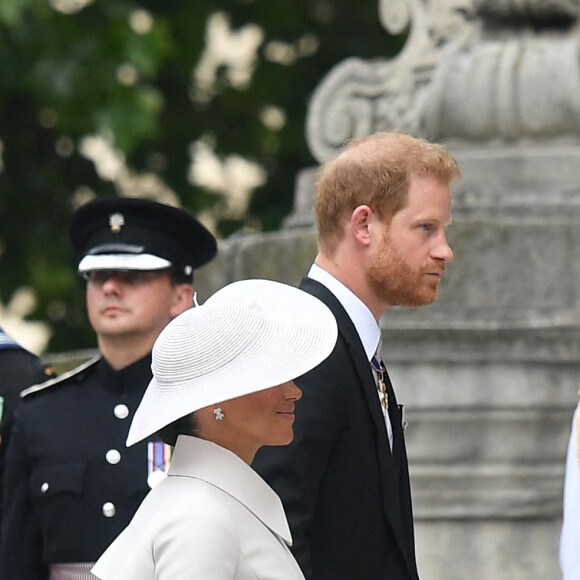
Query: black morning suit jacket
(347, 497)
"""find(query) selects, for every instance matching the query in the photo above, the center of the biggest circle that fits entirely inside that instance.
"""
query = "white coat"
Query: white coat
(212, 518)
(570, 538)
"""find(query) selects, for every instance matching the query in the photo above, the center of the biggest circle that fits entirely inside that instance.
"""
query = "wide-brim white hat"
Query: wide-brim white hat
(249, 336)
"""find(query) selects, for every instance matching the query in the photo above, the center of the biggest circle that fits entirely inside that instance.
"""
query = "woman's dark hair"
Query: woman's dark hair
(186, 425)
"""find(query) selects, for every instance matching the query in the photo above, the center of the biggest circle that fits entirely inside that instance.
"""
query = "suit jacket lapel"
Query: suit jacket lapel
(388, 467)
(350, 335)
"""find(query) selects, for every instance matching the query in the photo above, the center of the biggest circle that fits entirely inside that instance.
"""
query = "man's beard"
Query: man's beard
(396, 283)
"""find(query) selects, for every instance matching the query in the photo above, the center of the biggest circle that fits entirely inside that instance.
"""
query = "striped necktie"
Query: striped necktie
(379, 367)
(380, 370)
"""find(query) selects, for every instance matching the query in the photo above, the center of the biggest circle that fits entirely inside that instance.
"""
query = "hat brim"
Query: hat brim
(227, 349)
(142, 262)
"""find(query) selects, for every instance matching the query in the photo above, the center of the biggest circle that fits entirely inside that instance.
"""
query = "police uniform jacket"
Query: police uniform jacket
(71, 484)
(212, 517)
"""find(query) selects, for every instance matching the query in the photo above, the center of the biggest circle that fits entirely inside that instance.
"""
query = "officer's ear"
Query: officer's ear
(182, 299)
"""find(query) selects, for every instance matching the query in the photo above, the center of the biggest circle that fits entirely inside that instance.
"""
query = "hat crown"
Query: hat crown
(202, 341)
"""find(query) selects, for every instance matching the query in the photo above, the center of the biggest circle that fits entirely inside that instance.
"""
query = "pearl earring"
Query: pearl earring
(218, 414)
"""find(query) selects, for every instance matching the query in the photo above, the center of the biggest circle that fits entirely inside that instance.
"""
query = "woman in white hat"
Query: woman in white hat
(222, 387)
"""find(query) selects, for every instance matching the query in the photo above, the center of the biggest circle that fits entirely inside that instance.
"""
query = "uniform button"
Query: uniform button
(113, 456)
(121, 411)
(109, 509)
(44, 487)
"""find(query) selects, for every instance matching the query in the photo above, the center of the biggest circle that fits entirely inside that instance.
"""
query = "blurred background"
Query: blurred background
(226, 107)
(198, 104)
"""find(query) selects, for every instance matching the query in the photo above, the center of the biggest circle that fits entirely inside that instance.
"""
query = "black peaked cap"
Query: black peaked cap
(128, 225)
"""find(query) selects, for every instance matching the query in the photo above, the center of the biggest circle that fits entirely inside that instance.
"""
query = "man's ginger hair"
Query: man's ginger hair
(376, 171)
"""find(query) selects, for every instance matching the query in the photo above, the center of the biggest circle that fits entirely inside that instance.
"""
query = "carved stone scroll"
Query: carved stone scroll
(471, 70)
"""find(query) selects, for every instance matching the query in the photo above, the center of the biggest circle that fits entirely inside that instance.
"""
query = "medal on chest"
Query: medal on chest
(158, 461)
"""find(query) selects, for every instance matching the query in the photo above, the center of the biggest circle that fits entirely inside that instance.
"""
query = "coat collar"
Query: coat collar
(194, 457)
(349, 334)
(364, 323)
(134, 377)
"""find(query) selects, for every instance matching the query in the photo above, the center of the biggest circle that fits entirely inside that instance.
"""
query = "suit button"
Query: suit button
(121, 411)
(44, 487)
(109, 509)
(113, 456)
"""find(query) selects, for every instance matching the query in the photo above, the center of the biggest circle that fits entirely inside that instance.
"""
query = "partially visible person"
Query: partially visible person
(19, 369)
(70, 484)
(222, 387)
(382, 208)
(570, 536)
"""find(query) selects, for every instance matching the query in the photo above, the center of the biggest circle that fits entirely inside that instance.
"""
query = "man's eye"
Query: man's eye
(133, 277)
(129, 277)
(100, 277)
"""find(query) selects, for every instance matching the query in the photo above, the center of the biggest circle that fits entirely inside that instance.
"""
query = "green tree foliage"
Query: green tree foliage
(124, 69)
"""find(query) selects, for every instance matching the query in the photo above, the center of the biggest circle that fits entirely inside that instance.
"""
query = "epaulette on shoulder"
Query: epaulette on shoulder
(61, 378)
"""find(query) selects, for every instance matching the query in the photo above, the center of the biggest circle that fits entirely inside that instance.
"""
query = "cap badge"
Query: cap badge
(116, 221)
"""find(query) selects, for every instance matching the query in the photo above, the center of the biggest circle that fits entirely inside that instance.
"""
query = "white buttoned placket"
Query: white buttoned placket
(113, 457)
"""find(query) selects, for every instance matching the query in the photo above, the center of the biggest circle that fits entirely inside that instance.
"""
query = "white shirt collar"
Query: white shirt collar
(365, 323)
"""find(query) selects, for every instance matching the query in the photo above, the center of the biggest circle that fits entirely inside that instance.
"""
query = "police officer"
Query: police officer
(19, 368)
(71, 485)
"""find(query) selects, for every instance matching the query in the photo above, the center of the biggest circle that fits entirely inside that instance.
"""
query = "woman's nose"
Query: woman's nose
(293, 392)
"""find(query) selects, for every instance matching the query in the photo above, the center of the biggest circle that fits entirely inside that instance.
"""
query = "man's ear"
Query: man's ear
(183, 299)
(360, 224)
